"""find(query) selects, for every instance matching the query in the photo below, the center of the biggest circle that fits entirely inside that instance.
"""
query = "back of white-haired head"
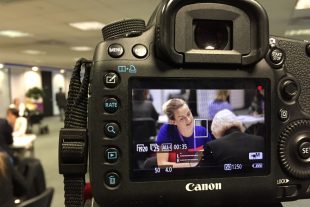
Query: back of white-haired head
(224, 120)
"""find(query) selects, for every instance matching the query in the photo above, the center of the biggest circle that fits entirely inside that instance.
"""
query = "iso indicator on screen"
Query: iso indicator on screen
(231, 167)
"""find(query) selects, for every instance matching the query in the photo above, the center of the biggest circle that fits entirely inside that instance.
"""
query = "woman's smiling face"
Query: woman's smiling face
(184, 120)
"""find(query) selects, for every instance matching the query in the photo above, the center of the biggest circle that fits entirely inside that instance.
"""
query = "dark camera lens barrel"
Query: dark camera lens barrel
(213, 35)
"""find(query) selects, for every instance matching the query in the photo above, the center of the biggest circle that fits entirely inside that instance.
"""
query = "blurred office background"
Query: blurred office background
(41, 40)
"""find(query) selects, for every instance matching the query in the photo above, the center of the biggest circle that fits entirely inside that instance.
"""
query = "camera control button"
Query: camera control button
(289, 90)
(290, 191)
(111, 130)
(276, 56)
(308, 49)
(283, 115)
(111, 105)
(112, 179)
(139, 51)
(304, 150)
(111, 155)
(116, 50)
(111, 80)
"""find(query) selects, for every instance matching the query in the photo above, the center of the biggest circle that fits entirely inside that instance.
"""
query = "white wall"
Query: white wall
(22, 80)
(4, 92)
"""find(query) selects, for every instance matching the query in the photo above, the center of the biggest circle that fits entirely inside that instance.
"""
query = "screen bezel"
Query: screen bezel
(199, 83)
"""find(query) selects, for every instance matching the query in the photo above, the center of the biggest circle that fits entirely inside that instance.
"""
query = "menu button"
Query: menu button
(116, 50)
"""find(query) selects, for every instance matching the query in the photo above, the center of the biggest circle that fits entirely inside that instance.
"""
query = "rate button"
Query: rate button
(111, 105)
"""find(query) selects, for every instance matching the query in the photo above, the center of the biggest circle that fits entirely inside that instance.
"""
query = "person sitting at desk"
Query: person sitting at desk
(19, 124)
(6, 138)
(179, 134)
(142, 106)
(232, 145)
(219, 103)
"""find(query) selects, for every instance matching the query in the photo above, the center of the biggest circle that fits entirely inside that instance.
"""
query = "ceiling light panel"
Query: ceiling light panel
(81, 48)
(87, 25)
(302, 4)
(13, 33)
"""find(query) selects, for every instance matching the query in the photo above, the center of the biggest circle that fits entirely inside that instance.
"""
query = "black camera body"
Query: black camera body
(200, 47)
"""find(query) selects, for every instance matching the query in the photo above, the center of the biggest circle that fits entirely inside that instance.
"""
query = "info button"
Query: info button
(111, 105)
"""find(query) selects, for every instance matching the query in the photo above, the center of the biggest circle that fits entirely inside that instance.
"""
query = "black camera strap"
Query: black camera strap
(73, 143)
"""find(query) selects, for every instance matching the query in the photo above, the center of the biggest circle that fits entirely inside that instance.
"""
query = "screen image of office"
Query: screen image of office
(192, 131)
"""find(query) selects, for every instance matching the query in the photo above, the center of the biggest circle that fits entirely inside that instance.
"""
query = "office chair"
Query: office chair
(32, 170)
(42, 200)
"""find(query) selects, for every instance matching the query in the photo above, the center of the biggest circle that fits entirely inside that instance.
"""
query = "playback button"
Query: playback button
(111, 155)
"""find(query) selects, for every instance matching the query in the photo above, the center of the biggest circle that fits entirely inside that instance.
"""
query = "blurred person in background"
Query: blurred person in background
(20, 106)
(219, 103)
(258, 103)
(142, 106)
(12, 183)
(61, 103)
(19, 124)
(6, 138)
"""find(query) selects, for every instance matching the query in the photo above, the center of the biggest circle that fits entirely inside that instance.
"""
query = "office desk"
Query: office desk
(22, 144)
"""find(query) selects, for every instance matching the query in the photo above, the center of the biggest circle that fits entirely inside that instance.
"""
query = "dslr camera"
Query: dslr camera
(152, 135)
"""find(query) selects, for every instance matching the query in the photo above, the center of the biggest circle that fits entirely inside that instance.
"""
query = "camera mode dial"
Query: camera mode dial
(294, 149)
(123, 28)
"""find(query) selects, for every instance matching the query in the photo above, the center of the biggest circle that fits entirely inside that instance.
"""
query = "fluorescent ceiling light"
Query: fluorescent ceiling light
(303, 4)
(34, 52)
(87, 25)
(35, 68)
(13, 33)
(297, 32)
(81, 48)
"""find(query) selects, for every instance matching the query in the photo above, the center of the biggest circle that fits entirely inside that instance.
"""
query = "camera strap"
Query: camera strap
(73, 140)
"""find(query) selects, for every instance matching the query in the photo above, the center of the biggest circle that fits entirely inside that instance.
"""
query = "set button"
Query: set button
(111, 130)
(112, 179)
(111, 105)
(304, 150)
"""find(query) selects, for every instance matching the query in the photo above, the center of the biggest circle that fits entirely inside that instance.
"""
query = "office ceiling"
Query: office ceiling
(48, 23)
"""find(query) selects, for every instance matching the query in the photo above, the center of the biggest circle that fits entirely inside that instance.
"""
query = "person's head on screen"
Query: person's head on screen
(180, 115)
(222, 95)
(12, 115)
(223, 121)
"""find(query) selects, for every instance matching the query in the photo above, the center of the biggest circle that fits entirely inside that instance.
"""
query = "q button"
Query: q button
(111, 130)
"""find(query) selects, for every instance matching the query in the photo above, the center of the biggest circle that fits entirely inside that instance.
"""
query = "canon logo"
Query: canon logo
(203, 187)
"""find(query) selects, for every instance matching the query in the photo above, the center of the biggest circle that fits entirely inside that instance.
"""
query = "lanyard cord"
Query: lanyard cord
(73, 137)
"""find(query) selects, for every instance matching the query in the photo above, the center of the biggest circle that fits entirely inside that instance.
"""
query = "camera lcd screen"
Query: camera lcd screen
(199, 128)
